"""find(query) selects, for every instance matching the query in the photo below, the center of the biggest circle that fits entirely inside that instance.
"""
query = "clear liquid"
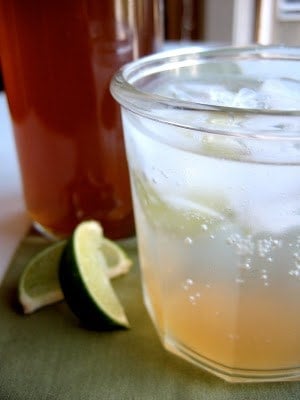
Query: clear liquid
(219, 243)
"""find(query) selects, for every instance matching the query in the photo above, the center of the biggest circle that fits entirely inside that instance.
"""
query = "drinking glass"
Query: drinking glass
(213, 145)
(57, 61)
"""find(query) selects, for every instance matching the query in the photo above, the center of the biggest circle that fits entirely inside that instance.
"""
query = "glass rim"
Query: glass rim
(121, 79)
(129, 96)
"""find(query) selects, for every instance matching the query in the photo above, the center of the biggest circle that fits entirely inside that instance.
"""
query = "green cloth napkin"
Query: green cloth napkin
(48, 355)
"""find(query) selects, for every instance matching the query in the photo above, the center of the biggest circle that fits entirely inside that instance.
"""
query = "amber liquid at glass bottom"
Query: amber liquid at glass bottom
(57, 61)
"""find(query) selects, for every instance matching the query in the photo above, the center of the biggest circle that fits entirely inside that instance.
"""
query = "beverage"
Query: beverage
(220, 289)
(57, 61)
(218, 218)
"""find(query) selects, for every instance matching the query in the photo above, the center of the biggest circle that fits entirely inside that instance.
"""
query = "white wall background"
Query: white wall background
(218, 20)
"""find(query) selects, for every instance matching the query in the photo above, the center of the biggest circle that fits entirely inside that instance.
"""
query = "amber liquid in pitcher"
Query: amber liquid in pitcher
(57, 61)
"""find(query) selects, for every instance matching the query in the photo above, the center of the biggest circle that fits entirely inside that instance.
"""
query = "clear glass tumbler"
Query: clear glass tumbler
(213, 144)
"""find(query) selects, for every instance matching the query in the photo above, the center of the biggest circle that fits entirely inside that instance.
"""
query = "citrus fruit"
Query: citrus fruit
(117, 261)
(183, 214)
(39, 285)
(85, 282)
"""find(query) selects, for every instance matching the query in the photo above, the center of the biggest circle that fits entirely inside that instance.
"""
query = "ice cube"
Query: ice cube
(275, 93)
(271, 95)
(281, 93)
(249, 98)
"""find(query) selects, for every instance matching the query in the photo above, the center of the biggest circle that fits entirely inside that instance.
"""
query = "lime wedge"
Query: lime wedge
(117, 261)
(182, 215)
(39, 285)
(85, 282)
(222, 146)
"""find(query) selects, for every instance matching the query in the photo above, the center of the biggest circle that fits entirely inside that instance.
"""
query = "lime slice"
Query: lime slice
(222, 146)
(39, 285)
(191, 214)
(117, 261)
(84, 280)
